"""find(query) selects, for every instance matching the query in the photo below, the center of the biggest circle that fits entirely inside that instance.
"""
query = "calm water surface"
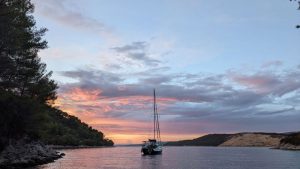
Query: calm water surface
(177, 158)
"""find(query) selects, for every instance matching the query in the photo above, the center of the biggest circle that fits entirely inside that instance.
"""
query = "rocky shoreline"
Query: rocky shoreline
(288, 147)
(23, 153)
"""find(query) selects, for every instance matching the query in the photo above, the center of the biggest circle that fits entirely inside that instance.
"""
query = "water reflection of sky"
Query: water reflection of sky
(177, 158)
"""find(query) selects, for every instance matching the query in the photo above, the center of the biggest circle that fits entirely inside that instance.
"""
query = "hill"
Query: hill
(254, 139)
(290, 142)
(207, 140)
(25, 117)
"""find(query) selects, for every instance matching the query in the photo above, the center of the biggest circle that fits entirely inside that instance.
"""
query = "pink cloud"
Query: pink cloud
(106, 113)
(263, 83)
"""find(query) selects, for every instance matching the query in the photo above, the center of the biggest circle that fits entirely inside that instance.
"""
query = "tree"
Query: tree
(21, 69)
(298, 26)
(25, 85)
(26, 90)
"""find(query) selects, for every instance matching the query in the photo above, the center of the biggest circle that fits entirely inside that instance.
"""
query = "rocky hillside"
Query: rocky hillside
(207, 140)
(253, 140)
(286, 140)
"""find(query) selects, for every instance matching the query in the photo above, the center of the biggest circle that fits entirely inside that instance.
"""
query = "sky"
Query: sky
(221, 66)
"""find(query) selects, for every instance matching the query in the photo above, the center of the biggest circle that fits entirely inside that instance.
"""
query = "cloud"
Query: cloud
(92, 76)
(204, 89)
(269, 83)
(274, 63)
(209, 102)
(113, 66)
(131, 47)
(282, 111)
(66, 13)
(261, 82)
(137, 52)
(143, 58)
(156, 80)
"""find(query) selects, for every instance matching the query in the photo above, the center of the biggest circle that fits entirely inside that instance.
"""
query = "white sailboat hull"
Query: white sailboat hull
(151, 151)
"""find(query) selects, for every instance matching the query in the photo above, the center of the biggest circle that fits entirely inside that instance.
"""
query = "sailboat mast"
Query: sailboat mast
(157, 125)
(154, 116)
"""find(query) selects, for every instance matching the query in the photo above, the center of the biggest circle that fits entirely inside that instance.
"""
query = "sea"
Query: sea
(177, 158)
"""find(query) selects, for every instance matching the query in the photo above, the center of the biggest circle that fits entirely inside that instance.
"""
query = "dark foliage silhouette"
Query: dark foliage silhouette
(27, 91)
(297, 26)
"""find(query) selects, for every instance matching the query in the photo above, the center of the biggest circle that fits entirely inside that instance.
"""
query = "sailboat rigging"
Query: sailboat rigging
(153, 146)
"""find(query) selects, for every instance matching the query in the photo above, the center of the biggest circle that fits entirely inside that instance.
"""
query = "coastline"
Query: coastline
(289, 147)
(60, 147)
(22, 154)
(282, 141)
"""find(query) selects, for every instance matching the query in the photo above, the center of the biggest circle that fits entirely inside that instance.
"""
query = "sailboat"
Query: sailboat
(153, 146)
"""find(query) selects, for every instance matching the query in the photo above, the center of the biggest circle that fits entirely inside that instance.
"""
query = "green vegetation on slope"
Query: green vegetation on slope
(26, 90)
(21, 116)
(65, 129)
(293, 139)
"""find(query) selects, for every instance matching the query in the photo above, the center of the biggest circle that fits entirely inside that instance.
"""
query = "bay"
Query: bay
(177, 158)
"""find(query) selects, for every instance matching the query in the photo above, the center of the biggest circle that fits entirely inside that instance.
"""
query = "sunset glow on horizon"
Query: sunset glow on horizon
(214, 72)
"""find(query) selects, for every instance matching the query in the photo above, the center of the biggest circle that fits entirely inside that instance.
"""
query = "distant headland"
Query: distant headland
(287, 141)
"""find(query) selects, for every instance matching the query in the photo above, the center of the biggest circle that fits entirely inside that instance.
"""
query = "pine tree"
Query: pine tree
(298, 26)
(21, 69)
(26, 88)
